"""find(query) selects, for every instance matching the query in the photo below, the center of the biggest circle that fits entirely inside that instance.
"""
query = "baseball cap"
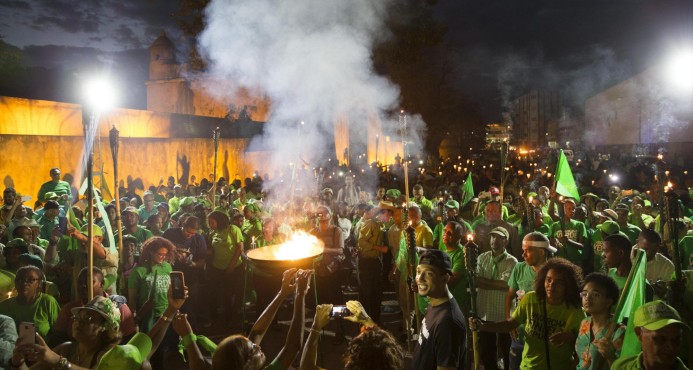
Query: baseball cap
(30, 259)
(129, 356)
(608, 213)
(393, 193)
(609, 227)
(105, 308)
(501, 231)
(163, 205)
(130, 209)
(51, 204)
(453, 204)
(437, 258)
(96, 230)
(656, 315)
(494, 190)
(187, 201)
(50, 195)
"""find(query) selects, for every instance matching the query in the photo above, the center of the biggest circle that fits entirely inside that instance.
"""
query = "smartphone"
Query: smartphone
(27, 333)
(177, 281)
(340, 311)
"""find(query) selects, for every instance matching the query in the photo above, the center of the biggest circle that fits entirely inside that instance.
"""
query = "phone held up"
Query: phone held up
(177, 283)
(27, 333)
(340, 312)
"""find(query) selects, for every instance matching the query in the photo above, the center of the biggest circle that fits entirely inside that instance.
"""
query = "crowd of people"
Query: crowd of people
(534, 274)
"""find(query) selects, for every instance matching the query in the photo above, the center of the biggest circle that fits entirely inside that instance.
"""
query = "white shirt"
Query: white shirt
(660, 268)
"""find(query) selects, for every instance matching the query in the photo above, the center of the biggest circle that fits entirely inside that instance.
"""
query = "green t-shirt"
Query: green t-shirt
(575, 231)
(631, 232)
(635, 363)
(224, 246)
(42, 312)
(620, 280)
(141, 278)
(522, 277)
(598, 248)
(559, 318)
(459, 291)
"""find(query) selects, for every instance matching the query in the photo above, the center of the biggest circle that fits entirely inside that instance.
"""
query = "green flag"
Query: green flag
(467, 191)
(565, 183)
(632, 297)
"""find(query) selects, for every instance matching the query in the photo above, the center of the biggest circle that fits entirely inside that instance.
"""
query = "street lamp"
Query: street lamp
(679, 71)
(98, 96)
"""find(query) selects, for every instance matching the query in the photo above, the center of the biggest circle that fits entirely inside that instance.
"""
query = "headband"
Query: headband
(539, 244)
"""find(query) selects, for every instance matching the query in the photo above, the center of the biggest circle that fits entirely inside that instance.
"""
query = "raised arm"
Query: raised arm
(310, 350)
(265, 320)
(294, 338)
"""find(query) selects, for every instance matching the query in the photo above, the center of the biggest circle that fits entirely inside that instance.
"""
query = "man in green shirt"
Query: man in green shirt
(59, 187)
(420, 199)
(458, 283)
(659, 329)
(569, 235)
(629, 229)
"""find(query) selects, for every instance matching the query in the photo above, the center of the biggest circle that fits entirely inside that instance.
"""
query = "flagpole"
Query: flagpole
(87, 120)
(114, 135)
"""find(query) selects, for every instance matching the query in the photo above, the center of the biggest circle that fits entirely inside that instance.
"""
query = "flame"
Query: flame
(299, 245)
(470, 237)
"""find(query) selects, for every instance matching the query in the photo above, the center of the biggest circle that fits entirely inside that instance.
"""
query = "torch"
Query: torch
(471, 256)
(661, 169)
(411, 245)
(215, 136)
(114, 135)
(671, 207)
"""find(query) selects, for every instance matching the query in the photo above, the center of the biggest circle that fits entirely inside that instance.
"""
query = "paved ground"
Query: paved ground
(330, 350)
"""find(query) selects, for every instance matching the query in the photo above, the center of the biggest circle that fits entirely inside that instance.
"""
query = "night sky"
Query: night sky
(500, 48)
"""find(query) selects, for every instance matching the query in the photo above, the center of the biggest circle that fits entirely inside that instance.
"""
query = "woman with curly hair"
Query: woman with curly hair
(149, 281)
(551, 314)
(374, 348)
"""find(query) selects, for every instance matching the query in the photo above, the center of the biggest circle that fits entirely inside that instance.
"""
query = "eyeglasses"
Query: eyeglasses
(593, 294)
(161, 255)
(25, 280)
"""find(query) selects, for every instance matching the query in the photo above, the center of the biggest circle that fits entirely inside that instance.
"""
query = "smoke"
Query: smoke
(312, 59)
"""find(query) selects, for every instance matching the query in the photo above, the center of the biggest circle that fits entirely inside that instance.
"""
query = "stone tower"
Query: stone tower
(167, 91)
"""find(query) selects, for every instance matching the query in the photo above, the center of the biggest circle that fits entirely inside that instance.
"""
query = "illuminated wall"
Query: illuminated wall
(37, 135)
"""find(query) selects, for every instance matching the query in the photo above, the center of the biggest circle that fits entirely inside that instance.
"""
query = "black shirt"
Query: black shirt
(442, 341)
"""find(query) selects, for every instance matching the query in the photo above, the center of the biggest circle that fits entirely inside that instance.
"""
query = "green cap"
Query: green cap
(50, 195)
(17, 243)
(187, 201)
(453, 204)
(609, 227)
(656, 315)
(129, 356)
(96, 230)
(31, 260)
(393, 193)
